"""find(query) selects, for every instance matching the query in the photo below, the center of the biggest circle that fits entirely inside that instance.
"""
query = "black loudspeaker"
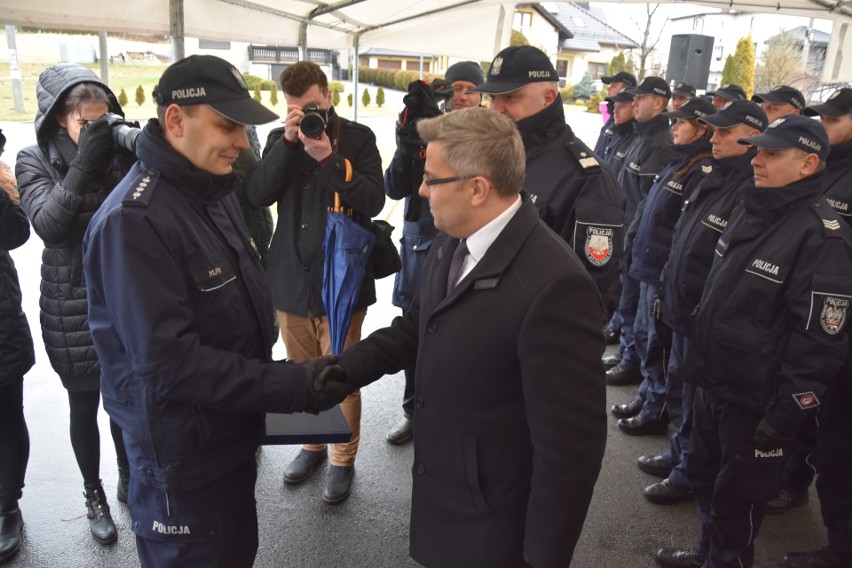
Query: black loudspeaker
(689, 59)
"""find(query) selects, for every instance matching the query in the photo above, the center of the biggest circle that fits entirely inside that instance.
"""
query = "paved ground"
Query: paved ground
(371, 528)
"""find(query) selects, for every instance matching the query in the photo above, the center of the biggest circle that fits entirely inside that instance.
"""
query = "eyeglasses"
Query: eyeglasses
(439, 181)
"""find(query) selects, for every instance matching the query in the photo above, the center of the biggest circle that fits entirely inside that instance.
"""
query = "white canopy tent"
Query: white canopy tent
(473, 29)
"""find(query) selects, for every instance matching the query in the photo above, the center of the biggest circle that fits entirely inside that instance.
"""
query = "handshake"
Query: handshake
(327, 385)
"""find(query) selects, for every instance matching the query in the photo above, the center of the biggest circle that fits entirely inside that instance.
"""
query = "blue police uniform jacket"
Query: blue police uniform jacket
(180, 316)
(662, 209)
(838, 179)
(770, 331)
(612, 155)
(703, 219)
(402, 181)
(647, 155)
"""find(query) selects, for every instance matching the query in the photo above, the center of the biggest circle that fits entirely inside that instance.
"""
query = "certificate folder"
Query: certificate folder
(327, 427)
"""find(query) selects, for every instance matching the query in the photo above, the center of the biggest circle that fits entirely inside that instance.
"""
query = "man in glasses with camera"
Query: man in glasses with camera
(316, 155)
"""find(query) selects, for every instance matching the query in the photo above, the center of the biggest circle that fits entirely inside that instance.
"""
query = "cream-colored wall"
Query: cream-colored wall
(581, 59)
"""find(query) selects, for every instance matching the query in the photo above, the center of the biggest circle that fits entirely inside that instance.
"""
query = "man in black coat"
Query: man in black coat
(301, 175)
(614, 85)
(505, 333)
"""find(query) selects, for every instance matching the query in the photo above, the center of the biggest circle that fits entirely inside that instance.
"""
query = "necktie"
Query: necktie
(456, 265)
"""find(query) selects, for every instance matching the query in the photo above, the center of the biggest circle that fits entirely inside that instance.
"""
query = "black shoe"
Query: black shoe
(621, 375)
(638, 426)
(123, 484)
(785, 500)
(678, 558)
(338, 484)
(813, 559)
(666, 493)
(627, 410)
(100, 521)
(401, 432)
(11, 533)
(610, 335)
(302, 466)
(611, 360)
(655, 465)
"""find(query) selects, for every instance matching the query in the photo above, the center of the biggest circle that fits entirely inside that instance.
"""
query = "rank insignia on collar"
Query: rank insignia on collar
(707, 169)
(833, 315)
(806, 400)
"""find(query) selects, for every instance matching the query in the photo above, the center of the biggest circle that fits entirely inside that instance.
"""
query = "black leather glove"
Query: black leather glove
(767, 438)
(327, 386)
(95, 150)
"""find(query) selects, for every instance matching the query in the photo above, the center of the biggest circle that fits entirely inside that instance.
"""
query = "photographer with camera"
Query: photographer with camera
(302, 168)
(402, 181)
(63, 180)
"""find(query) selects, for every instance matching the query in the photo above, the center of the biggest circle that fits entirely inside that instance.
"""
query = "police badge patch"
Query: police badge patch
(598, 246)
(806, 400)
(833, 315)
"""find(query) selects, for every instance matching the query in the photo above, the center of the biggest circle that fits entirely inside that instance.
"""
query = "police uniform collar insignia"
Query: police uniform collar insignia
(707, 169)
(832, 225)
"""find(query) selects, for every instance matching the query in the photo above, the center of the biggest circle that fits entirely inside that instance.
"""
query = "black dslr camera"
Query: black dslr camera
(313, 123)
(124, 134)
(423, 100)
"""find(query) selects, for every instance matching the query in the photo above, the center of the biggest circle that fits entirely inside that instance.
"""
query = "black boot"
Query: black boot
(123, 484)
(100, 521)
(11, 531)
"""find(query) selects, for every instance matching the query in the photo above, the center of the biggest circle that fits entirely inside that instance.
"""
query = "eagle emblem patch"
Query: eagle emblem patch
(598, 245)
(833, 315)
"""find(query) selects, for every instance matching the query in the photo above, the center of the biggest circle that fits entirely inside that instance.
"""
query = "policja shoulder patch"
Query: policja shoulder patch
(832, 318)
(598, 246)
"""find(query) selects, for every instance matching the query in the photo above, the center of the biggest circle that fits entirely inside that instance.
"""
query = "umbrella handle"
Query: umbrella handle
(336, 202)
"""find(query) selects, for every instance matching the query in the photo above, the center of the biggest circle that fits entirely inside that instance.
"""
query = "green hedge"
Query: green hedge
(392, 79)
(253, 80)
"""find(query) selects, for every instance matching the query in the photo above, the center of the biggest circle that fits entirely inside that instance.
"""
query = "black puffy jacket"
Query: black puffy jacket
(16, 343)
(60, 217)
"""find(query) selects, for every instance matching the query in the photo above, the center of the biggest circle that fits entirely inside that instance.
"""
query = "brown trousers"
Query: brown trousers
(309, 337)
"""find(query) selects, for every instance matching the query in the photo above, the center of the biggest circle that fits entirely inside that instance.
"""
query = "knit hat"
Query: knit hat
(465, 71)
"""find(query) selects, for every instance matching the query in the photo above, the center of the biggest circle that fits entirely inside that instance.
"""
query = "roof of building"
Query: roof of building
(392, 53)
(589, 29)
(799, 33)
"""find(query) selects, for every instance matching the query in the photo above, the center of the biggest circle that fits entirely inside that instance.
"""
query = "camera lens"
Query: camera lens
(312, 124)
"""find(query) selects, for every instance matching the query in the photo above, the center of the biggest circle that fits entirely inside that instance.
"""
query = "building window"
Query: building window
(523, 22)
(212, 44)
(597, 70)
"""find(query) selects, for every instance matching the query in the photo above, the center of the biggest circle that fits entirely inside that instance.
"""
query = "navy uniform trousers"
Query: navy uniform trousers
(731, 480)
(212, 526)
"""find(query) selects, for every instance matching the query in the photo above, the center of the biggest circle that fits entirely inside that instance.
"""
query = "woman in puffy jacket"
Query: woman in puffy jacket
(16, 358)
(63, 180)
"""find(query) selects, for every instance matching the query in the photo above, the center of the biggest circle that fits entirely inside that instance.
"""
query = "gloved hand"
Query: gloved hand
(327, 384)
(95, 150)
(767, 438)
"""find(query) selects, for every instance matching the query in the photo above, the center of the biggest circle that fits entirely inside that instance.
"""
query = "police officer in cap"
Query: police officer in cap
(727, 93)
(646, 156)
(681, 93)
(179, 312)
(622, 132)
(780, 101)
(574, 194)
(834, 438)
(614, 85)
(770, 334)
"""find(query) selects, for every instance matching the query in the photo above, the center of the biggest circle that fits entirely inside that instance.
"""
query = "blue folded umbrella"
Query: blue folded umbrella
(347, 249)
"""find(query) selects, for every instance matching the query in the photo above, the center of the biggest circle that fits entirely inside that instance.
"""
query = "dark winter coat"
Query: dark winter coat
(180, 316)
(402, 181)
(16, 343)
(704, 217)
(509, 401)
(770, 333)
(646, 156)
(616, 146)
(575, 195)
(60, 215)
(303, 193)
(838, 179)
(662, 209)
